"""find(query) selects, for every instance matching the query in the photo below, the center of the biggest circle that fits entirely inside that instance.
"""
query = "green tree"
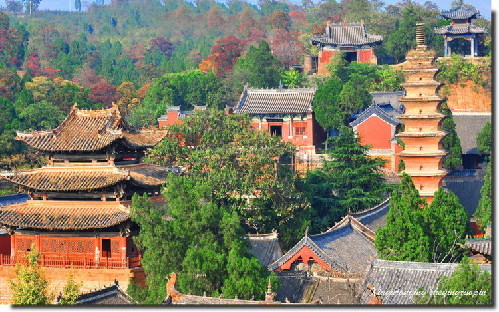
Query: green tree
(451, 141)
(30, 286)
(447, 225)
(467, 285)
(355, 178)
(70, 292)
(415, 231)
(292, 79)
(483, 213)
(404, 237)
(325, 207)
(258, 68)
(187, 89)
(41, 115)
(226, 160)
(484, 139)
(326, 104)
(354, 96)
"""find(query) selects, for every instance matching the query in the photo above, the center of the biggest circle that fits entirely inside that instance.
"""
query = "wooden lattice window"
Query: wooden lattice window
(89, 247)
(24, 244)
(115, 247)
(299, 130)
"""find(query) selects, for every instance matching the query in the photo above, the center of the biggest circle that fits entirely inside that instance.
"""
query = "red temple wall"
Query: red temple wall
(312, 136)
(375, 132)
(57, 277)
(305, 254)
(325, 56)
(69, 246)
(5, 244)
(171, 119)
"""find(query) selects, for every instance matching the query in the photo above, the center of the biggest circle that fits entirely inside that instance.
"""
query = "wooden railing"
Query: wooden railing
(81, 262)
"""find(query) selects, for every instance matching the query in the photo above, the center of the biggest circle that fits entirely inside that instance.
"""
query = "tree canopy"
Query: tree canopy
(467, 285)
(416, 231)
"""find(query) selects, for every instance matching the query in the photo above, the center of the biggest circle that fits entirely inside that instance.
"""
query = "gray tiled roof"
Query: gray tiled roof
(374, 109)
(483, 246)
(330, 291)
(347, 34)
(265, 247)
(111, 295)
(374, 218)
(349, 250)
(346, 247)
(293, 287)
(404, 277)
(276, 101)
(460, 29)
(460, 12)
(467, 127)
(388, 97)
(467, 190)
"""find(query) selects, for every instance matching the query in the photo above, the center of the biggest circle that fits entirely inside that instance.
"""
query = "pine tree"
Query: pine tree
(258, 68)
(447, 224)
(355, 178)
(404, 237)
(483, 213)
(484, 139)
(451, 141)
(326, 104)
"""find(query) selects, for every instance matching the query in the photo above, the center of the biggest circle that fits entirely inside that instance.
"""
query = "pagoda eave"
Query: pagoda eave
(432, 116)
(421, 134)
(439, 173)
(439, 153)
(421, 83)
(421, 99)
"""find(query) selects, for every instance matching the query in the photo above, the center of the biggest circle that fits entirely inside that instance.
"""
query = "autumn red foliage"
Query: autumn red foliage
(224, 54)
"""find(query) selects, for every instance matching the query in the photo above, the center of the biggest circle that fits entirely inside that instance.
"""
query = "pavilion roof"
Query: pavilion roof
(276, 101)
(460, 29)
(347, 34)
(84, 178)
(460, 12)
(90, 130)
(68, 178)
(146, 174)
(64, 215)
(348, 246)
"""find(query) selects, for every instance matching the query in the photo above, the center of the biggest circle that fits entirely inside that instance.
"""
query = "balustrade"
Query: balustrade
(77, 262)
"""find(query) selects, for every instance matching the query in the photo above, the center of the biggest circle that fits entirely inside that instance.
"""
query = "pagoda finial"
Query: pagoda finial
(420, 35)
(269, 295)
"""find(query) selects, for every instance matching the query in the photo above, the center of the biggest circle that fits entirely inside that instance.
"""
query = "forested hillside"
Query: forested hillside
(147, 55)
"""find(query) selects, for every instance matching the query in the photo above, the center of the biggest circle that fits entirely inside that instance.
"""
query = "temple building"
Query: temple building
(288, 114)
(376, 127)
(422, 136)
(343, 251)
(77, 216)
(349, 38)
(461, 27)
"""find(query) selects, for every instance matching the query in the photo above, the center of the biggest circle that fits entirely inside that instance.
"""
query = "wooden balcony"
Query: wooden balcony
(76, 262)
